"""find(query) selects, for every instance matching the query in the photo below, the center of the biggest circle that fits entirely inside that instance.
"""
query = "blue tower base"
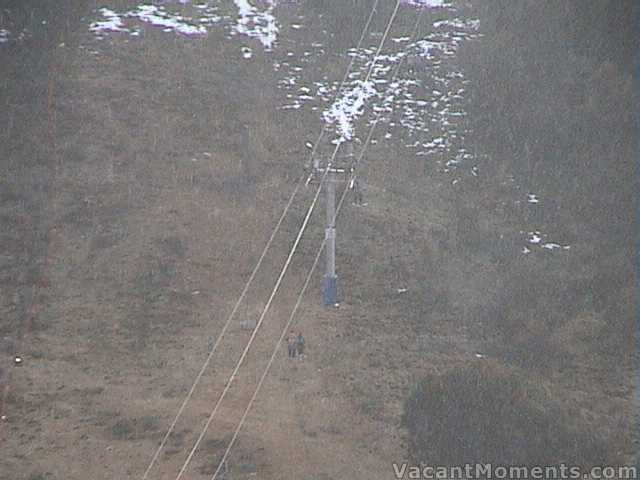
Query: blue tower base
(330, 290)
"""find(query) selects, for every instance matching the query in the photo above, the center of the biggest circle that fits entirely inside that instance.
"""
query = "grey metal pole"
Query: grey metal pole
(330, 278)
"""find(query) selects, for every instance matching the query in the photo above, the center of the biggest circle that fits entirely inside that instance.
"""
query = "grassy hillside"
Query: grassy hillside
(141, 177)
(550, 105)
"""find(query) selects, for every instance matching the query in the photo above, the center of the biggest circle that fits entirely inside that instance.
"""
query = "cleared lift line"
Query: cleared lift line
(306, 282)
(255, 330)
(284, 269)
(299, 183)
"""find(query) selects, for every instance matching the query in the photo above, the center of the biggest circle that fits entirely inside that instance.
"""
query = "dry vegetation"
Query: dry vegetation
(121, 256)
(550, 104)
(508, 420)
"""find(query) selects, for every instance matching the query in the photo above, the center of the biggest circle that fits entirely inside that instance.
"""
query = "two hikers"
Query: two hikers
(295, 344)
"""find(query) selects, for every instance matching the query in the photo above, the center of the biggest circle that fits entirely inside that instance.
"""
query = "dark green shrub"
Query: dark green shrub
(487, 413)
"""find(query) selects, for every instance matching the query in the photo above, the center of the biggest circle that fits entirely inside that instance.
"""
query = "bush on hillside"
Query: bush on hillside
(487, 413)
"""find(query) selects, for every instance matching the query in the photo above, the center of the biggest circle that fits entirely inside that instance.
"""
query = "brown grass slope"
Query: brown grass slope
(147, 250)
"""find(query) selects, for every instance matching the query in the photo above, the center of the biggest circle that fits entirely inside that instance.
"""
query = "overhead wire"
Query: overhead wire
(253, 334)
(249, 282)
(304, 286)
(281, 276)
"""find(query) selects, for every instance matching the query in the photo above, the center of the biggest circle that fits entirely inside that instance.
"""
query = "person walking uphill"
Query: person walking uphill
(300, 345)
(292, 340)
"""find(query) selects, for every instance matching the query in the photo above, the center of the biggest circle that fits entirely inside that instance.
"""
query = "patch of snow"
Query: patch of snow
(346, 109)
(113, 23)
(150, 15)
(293, 106)
(158, 17)
(534, 237)
(257, 24)
(419, 110)
(426, 3)
(426, 47)
(456, 23)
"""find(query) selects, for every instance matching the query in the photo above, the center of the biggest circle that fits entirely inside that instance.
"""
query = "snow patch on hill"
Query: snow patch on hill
(349, 107)
(254, 22)
(427, 3)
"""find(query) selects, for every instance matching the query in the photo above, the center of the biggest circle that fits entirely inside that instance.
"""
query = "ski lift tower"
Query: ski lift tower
(337, 172)
(330, 295)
